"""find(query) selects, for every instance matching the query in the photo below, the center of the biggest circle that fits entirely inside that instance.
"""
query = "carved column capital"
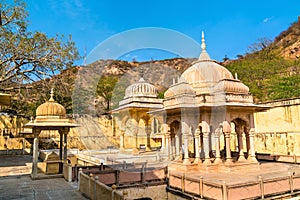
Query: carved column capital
(226, 127)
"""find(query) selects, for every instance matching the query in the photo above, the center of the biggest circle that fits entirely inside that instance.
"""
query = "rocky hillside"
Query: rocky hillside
(271, 72)
(289, 41)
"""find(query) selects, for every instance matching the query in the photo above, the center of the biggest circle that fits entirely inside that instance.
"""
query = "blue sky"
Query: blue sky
(230, 26)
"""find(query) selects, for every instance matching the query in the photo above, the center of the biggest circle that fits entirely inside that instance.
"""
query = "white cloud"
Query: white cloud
(267, 19)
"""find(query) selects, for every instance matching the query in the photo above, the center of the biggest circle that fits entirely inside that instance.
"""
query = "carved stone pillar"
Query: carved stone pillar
(148, 133)
(252, 156)
(36, 132)
(186, 160)
(163, 143)
(168, 145)
(197, 150)
(247, 141)
(122, 140)
(65, 146)
(165, 130)
(60, 145)
(177, 147)
(239, 131)
(217, 141)
(206, 131)
(227, 131)
(135, 149)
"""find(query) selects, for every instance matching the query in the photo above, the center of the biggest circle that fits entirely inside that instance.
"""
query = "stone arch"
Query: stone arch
(175, 127)
(176, 139)
(155, 124)
(241, 126)
(130, 126)
(142, 126)
(201, 146)
(124, 121)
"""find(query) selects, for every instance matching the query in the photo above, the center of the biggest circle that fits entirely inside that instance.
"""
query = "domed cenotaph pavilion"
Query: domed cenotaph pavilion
(50, 116)
(204, 115)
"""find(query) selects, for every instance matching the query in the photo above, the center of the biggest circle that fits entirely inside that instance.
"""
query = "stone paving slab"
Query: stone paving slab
(15, 182)
(23, 187)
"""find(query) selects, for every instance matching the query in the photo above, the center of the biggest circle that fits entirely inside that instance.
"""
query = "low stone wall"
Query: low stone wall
(7, 143)
(15, 152)
(131, 182)
(279, 158)
(157, 192)
(93, 189)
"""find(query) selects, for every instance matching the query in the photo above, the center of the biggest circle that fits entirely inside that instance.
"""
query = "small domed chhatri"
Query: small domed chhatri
(50, 116)
(141, 94)
(51, 109)
(141, 88)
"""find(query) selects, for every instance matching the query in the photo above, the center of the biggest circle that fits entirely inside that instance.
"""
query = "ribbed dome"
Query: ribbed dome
(140, 89)
(231, 86)
(205, 73)
(181, 88)
(51, 108)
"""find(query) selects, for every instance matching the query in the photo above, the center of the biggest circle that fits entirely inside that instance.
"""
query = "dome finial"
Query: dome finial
(203, 55)
(51, 95)
(203, 45)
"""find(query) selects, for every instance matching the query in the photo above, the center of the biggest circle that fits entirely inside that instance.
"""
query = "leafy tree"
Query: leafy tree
(266, 72)
(105, 89)
(284, 87)
(27, 56)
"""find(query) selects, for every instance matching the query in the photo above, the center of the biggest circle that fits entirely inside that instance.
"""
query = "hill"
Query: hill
(271, 71)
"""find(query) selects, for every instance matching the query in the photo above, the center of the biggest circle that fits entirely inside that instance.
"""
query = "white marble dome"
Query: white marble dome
(231, 86)
(140, 89)
(181, 88)
(205, 73)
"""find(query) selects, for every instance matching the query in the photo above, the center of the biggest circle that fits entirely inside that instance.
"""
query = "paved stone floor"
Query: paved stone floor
(15, 182)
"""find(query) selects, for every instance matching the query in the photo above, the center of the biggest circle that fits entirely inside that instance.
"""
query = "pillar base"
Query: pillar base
(217, 161)
(121, 149)
(252, 159)
(207, 161)
(148, 149)
(135, 151)
(178, 157)
(228, 161)
(186, 161)
(241, 158)
(197, 160)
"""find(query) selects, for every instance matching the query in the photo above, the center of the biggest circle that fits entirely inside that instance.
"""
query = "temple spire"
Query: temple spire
(203, 55)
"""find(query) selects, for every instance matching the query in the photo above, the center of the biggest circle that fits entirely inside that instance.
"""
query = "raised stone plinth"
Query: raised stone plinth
(181, 167)
(238, 166)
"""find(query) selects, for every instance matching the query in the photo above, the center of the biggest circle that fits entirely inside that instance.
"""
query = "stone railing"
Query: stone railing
(93, 189)
(129, 176)
(67, 171)
(261, 188)
(107, 183)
